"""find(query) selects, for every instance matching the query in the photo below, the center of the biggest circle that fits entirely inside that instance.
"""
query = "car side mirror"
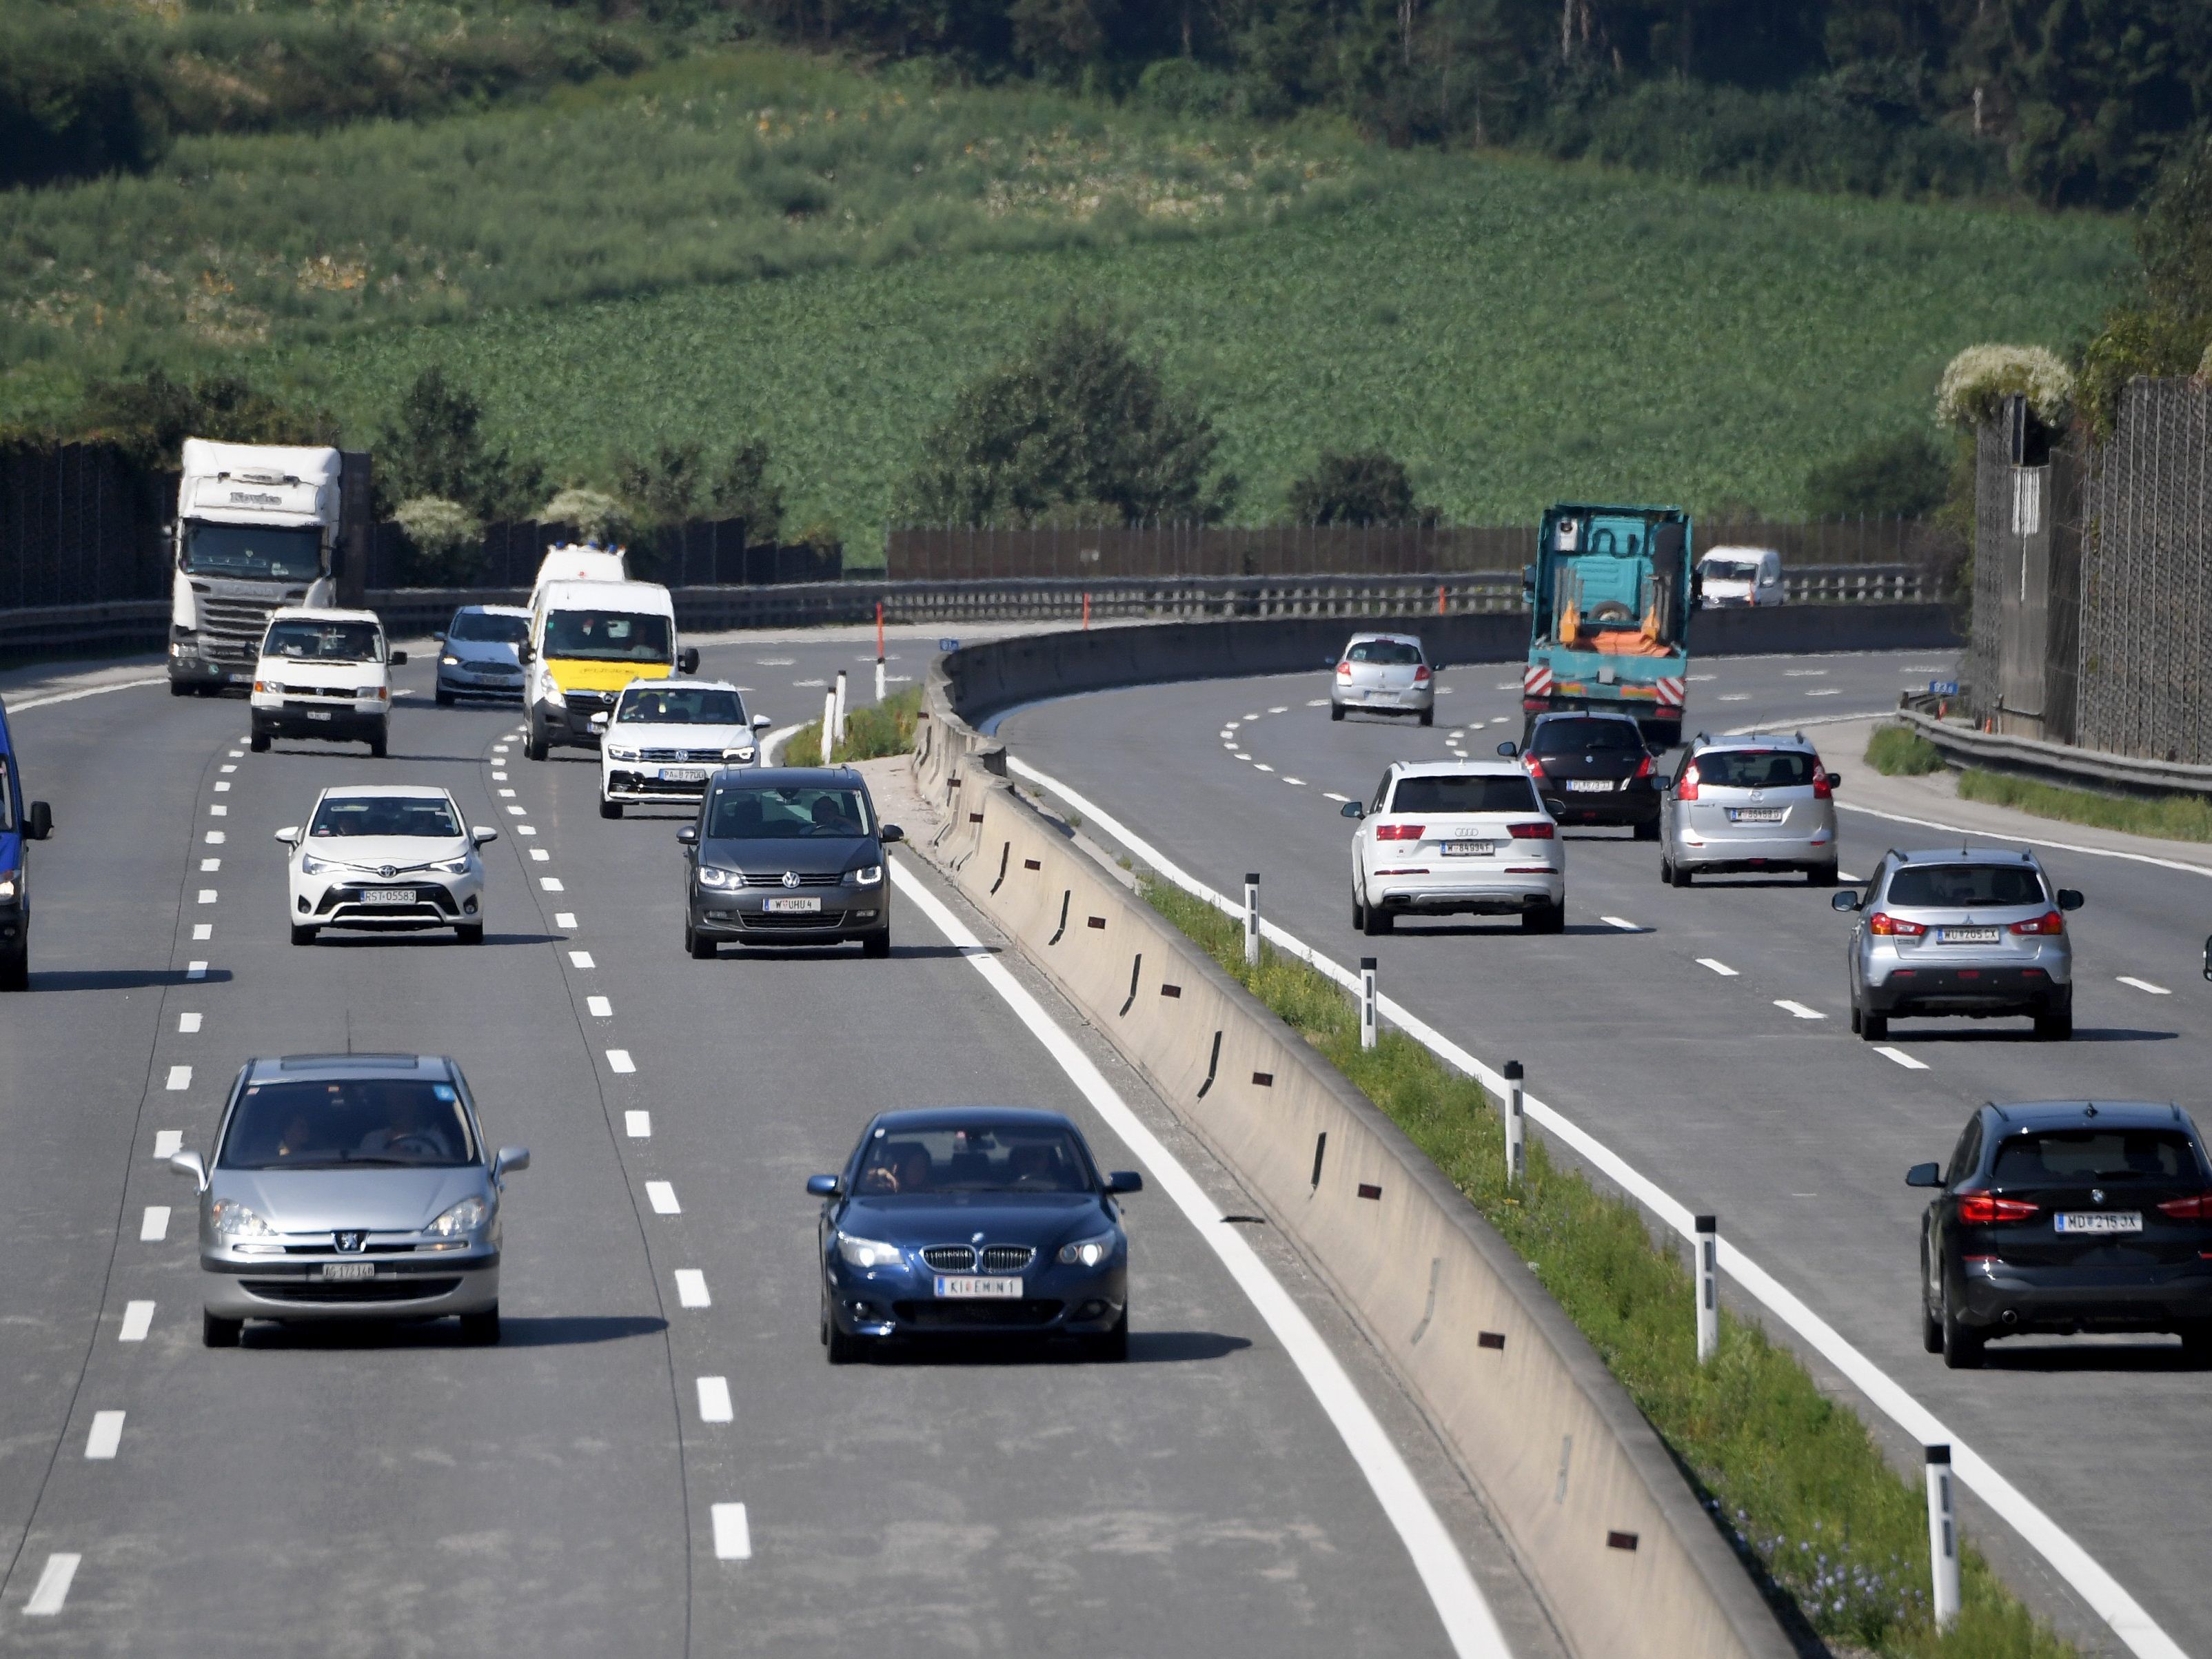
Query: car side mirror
(1835, 780)
(824, 1186)
(38, 821)
(1124, 1182)
(2070, 899)
(688, 835)
(1924, 1175)
(524, 653)
(290, 835)
(1845, 902)
(687, 660)
(890, 833)
(1352, 809)
(483, 833)
(599, 722)
(188, 1163)
(438, 638)
(1508, 749)
(397, 659)
(512, 1160)
(761, 722)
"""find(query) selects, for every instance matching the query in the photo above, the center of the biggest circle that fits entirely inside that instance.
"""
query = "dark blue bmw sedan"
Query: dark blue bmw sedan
(978, 1219)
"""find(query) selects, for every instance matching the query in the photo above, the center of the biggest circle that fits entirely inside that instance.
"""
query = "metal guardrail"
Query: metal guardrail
(2057, 763)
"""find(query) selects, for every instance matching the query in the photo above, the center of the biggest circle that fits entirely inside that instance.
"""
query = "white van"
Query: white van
(587, 641)
(323, 674)
(1740, 575)
(568, 562)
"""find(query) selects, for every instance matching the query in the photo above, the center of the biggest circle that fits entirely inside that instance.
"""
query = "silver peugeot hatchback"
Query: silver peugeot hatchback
(349, 1187)
(1385, 674)
(1752, 804)
(1966, 931)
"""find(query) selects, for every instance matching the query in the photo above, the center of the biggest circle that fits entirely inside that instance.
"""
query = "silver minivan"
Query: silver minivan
(1967, 931)
(1385, 674)
(1755, 804)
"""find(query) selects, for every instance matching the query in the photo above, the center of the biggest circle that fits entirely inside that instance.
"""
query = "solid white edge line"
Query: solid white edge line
(53, 1586)
(1901, 1058)
(1717, 966)
(90, 691)
(2077, 1565)
(714, 1405)
(1467, 1618)
(2029, 841)
(733, 1535)
(2144, 985)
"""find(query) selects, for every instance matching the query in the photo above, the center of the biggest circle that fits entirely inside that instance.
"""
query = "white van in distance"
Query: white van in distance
(326, 674)
(1729, 576)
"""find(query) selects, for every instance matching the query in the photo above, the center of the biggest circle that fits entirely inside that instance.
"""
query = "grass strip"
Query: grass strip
(1899, 752)
(1794, 1478)
(2175, 817)
(881, 729)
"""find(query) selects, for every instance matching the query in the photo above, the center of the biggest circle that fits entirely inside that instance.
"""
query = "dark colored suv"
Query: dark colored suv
(1595, 769)
(2068, 1216)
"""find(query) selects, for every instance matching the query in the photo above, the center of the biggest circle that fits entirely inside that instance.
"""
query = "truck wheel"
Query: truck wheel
(377, 743)
(258, 743)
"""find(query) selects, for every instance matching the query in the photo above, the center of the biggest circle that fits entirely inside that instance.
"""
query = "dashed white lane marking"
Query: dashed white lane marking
(195, 971)
(714, 1400)
(188, 1023)
(498, 777)
(223, 787)
(1241, 755)
(180, 1077)
(168, 1143)
(526, 829)
(637, 1125)
(1717, 966)
(580, 958)
(1507, 685)
(137, 1320)
(1804, 673)
(733, 1537)
(202, 930)
(515, 811)
(1845, 875)
(1261, 766)
(1253, 716)
(209, 866)
(691, 1288)
(106, 1435)
(226, 768)
(207, 895)
(1700, 676)
(550, 883)
(600, 1007)
(662, 1196)
(53, 1586)
(2145, 985)
(507, 794)
(1902, 1058)
(1621, 922)
(236, 753)
(618, 1060)
(1230, 747)
(1317, 702)
(1331, 794)
(155, 1225)
(1825, 691)
(1280, 709)
(214, 838)
(217, 810)
(1734, 696)
(539, 855)
(564, 918)
(1798, 1010)
(1299, 783)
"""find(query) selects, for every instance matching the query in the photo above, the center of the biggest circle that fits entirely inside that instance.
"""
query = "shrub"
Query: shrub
(434, 446)
(744, 490)
(1906, 475)
(1899, 752)
(594, 511)
(1979, 379)
(445, 535)
(1370, 486)
(150, 418)
(79, 94)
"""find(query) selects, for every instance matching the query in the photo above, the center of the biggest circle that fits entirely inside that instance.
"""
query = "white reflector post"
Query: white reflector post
(1942, 1536)
(1252, 920)
(1517, 1125)
(879, 679)
(1367, 1002)
(1708, 1288)
(829, 724)
(841, 705)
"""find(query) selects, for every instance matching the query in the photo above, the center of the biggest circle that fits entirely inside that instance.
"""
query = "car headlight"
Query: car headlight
(868, 875)
(6, 887)
(458, 866)
(465, 1217)
(1087, 1252)
(614, 752)
(312, 866)
(450, 662)
(710, 877)
(740, 757)
(232, 1219)
(867, 1253)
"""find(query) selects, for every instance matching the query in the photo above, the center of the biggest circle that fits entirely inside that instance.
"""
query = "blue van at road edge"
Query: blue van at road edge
(19, 824)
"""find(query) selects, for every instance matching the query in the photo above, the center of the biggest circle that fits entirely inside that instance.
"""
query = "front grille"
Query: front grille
(589, 703)
(430, 899)
(996, 1258)
(332, 1249)
(638, 783)
(955, 1315)
(949, 1258)
(774, 879)
(233, 629)
(368, 1290)
(1006, 1258)
(683, 757)
(796, 923)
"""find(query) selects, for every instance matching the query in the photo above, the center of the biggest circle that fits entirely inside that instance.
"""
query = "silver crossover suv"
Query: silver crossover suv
(349, 1187)
(1964, 931)
(1385, 674)
(1748, 803)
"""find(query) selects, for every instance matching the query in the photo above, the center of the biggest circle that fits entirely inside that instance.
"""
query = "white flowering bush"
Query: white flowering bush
(594, 511)
(1980, 377)
(438, 526)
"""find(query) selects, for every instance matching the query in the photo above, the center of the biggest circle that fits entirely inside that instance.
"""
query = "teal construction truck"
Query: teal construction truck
(1609, 601)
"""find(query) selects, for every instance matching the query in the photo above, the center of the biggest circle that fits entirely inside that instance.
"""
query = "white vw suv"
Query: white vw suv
(1445, 837)
(663, 738)
(391, 855)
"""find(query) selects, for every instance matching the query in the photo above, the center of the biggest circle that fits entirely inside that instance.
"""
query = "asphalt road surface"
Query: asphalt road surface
(1704, 1035)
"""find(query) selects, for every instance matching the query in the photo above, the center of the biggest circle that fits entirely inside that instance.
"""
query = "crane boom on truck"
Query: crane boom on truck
(1609, 601)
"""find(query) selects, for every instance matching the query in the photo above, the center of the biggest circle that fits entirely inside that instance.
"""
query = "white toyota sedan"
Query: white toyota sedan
(390, 856)
(663, 738)
(1456, 837)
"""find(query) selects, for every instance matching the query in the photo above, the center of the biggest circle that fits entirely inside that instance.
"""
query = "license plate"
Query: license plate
(1590, 786)
(2099, 1221)
(387, 895)
(985, 1289)
(319, 714)
(683, 775)
(1469, 849)
(1754, 815)
(794, 906)
(1967, 935)
(346, 1270)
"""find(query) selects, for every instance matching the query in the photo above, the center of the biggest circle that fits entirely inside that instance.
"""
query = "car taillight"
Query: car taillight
(1821, 789)
(2198, 1208)
(1420, 673)
(1539, 831)
(2049, 922)
(1985, 1209)
(1535, 766)
(1891, 927)
(1643, 768)
(1687, 788)
(1344, 671)
(1399, 832)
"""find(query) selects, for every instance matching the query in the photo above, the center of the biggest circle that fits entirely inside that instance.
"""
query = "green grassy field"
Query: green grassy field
(705, 253)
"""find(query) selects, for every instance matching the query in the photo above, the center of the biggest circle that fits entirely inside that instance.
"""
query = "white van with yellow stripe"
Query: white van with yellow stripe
(587, 641)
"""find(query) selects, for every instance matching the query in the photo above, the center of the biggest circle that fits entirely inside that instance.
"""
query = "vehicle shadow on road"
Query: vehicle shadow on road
(515, 1331)
(1145, 1348)
(1505, 927)
(119, 979)
(2061, 1355)
(841, 952)
(2010, 1034)
(429, 938)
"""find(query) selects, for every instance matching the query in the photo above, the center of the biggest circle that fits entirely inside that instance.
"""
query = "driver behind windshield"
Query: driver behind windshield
(788, 813)
(327, 1125)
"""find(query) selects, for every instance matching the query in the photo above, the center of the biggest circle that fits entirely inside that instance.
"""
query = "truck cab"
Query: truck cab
(326, 674)
(1609, 601)
(20, 822)
(588, 639)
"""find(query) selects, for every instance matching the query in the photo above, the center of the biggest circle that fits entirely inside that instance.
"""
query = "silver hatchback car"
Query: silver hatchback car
(349, 1187)
(1964, 931)
(1385, 674)
(1755, 804)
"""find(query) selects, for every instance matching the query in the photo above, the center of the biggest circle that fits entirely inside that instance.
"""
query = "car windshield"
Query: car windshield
(1465, 794)
(321, 1126)
(7, 796)
(1962, 887)
(608, 637)
(323, 641)
(1755, 768)
(2108, 1155)
(385, 815)
(974, 1158)
(791, 812)
(1585, 737)
(1732, 570)
(688, 705)
(496, 630)
(253, 552)
(1394, 653)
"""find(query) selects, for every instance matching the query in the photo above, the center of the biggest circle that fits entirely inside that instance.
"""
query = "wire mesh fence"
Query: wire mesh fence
(79, 524)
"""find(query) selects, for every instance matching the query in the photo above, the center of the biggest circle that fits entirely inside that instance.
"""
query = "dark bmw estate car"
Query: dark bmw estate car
(786, 855)
(976, 1220)
(2068, 1216)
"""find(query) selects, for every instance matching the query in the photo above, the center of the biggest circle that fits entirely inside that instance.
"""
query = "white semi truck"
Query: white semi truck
(258, 527)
